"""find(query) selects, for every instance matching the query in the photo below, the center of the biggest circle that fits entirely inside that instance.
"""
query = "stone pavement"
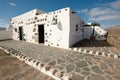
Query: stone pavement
(78, 65)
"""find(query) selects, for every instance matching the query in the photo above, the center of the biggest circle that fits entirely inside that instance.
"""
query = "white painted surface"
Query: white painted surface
(76, 27)
(98, 32)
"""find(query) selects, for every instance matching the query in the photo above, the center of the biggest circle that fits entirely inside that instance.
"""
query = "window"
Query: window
(76, 28)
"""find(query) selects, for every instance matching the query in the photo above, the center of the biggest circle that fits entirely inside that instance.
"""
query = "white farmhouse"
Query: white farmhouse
(61, 28)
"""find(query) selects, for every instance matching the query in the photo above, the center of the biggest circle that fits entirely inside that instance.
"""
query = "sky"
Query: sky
(105, 12)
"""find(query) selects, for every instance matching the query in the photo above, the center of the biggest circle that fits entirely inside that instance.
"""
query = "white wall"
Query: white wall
(88, 32)
(75, 35)
(58, 34)
(26, 21)
(98, 32)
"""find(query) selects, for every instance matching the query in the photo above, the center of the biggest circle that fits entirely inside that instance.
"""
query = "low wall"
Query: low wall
(95, 53)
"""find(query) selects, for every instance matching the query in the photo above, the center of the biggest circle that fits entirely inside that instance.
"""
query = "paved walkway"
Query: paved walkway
(80, 66)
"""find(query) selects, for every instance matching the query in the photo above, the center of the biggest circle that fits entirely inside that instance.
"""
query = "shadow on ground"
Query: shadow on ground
(91, 43)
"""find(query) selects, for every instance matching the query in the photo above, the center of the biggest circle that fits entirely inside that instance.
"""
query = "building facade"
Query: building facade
(61, 28)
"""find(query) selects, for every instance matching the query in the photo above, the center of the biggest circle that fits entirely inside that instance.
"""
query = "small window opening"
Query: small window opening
(76, 28)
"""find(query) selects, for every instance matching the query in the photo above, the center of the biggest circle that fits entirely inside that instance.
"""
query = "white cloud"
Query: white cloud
(12, 4)
(99, 11)
(107, 14)
(78, 11)
(82, 11)
(105, 17)
(115, 5)
(2, 20)
(3, 23)
(110, 11)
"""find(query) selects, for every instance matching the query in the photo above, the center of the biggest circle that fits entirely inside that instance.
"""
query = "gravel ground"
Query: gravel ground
(13, 69)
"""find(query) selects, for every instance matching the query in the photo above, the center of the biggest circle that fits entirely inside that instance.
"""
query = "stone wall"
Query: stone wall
(114, 37)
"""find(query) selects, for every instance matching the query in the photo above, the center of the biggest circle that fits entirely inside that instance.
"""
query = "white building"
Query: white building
(61, 28)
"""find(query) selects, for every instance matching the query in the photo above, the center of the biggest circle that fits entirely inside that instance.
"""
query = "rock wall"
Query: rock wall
(114, 36)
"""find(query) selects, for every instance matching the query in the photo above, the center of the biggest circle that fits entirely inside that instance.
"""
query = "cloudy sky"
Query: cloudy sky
(105, 12)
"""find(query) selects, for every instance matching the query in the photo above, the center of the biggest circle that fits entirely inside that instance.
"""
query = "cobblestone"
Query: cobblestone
(81, 64)
(88, 58)
(60, 61)
(86, 69)
(97, 77)
(69, 68)
(76, 77)
(97, 70)
(103, 66)
(77, 69)
(85, 73)
(59, 67)
(52, 63)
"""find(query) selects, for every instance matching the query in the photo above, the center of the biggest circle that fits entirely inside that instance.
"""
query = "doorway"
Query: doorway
(41, 33)
(20, 33)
